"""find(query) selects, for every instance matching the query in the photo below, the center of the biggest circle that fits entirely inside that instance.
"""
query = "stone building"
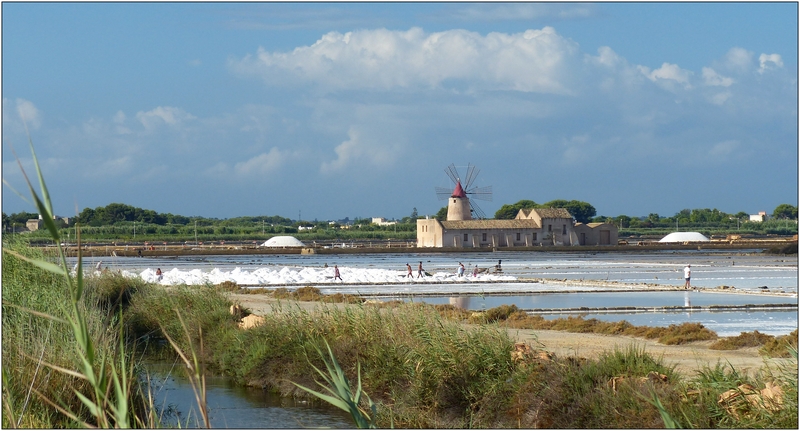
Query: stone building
(531, 227)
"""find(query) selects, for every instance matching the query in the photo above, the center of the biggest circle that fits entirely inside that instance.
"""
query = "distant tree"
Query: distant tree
(510, 211)
(785, 211)
(177, 219)
(581, 211)
(623, 221)
(19, 218)
(653, 218)
(414, 214)
(442, 214)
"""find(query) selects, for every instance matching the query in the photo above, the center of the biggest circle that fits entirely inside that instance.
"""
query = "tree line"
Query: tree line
(116, 218)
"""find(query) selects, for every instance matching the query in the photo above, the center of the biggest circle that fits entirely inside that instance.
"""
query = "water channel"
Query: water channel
(233, 406)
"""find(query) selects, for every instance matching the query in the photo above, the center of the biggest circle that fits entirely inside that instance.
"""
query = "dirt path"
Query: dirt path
(688, 359)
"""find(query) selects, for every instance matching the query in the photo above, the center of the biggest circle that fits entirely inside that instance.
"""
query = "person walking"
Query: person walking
(460, 270)
(687, 275)
(420, 271)
(410, 271)
(475, 271)
(336, 273)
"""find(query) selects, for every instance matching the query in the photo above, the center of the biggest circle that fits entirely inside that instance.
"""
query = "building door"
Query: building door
(605, 237)
(583, 238)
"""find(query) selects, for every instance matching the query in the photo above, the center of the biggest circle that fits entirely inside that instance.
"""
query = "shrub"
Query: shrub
(780, 347)
(686, 333)
(745, 339)
(228, 286)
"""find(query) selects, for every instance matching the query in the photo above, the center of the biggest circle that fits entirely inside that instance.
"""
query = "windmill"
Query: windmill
(460, 201)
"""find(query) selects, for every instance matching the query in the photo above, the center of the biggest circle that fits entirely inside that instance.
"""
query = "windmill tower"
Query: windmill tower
(459, 204)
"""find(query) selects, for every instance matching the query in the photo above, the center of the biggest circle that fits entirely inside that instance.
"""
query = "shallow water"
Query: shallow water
(233, 406)
(742, 269)
(748, 271)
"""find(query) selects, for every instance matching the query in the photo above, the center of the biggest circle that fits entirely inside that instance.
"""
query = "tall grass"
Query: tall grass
(425, 371)
(66, 361)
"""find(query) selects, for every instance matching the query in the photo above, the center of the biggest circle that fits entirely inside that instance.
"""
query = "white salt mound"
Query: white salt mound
(684, 237)
(283, 242)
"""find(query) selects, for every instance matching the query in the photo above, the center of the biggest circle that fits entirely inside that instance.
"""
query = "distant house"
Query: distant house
(380, 221)
(34, 224)
(596, 233)
(531, 227)
(761, 216)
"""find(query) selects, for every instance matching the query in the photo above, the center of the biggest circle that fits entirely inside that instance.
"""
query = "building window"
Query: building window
(564, 229)
(549, 228)
(466, 238)
(534, 236)
(484, 237)
(517, 236)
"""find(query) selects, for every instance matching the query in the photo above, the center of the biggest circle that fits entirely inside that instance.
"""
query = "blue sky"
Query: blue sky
(333, 110)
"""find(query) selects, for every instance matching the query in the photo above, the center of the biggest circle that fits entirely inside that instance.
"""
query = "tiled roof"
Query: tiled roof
(553, 213)
(489, 224)
(526, 211)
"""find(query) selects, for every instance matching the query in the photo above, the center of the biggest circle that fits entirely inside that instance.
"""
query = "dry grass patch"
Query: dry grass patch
(514, 318)
(781, 347)
(745, 339)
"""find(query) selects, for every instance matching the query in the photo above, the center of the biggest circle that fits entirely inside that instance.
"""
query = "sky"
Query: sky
(321, 111)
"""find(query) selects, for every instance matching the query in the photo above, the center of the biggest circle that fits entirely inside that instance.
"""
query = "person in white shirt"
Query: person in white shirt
(687, 275)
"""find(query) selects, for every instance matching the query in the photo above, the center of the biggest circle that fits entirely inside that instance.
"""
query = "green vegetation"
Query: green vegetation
(119, 222)
(422, 369)
(581, 211)
(421, 366)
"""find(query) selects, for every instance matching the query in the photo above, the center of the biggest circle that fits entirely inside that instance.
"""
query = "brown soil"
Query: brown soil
(687, 359)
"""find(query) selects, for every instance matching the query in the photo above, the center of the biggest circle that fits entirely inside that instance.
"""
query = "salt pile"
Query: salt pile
(303, 275)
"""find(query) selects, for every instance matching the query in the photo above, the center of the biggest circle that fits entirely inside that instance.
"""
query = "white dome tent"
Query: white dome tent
(283, 242)
(684, 237)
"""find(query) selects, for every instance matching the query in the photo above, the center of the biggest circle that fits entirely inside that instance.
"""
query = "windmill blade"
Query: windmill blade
(472, 173)
(477, 212)
(452, 172)
(482, 193)
(443, 193)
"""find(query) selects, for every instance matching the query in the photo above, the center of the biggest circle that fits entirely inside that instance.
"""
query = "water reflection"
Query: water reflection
(461, 302)
(233, 406)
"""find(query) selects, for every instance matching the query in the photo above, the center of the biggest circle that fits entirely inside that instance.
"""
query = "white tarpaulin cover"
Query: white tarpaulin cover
(283, 241)
(684, 236)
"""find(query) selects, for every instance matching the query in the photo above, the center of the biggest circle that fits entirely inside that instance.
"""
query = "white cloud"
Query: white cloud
(738, 59)
(720, 98)
(356, 150)
(263, 163)
(28, 113)
(109, 168)
(163, 115)
(119, 123)
(668, 73)
(532, 61)
(712, 78)
(607, 57)
(723, 149)
(522, 11)
(769, 61)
